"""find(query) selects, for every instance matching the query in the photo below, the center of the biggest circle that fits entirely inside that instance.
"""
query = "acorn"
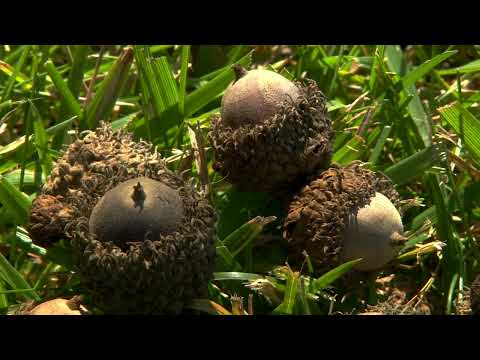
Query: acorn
(142, 237)
(346, 213)
(271, 132)
(59, 307)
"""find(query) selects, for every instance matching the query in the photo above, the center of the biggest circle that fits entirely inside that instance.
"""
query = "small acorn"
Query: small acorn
(271, 132)
(58, 307)
(345, 214)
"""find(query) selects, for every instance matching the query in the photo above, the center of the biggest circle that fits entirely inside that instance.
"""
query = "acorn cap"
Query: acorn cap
(274, 147)
(318, 217)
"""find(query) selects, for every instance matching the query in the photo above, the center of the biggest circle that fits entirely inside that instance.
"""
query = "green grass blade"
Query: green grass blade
(201, 97)
(159, 91)
(74, 83)
(69, 101)
(471, 67)
(413, 166)
(379, 145)
(110, 89)
(465, 124)
(328, 278)
(352, 150)
(75, 76)
(419, 117)
(16, 145)
(41, 143)
(290, 295)
(13, 278)
(183, 78)
(379, 55)
(429, 214)
(234, 275)
(3, 297)
(16, 202)
(396, 63)
(425, 68)
(10, 71)
(452, 252)
(26, 243)
(166, 82)
(13, 78)
(226, 258)
(244, 235)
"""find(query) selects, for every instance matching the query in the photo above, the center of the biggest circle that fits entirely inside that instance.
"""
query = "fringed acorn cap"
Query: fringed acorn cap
(279, 141)
(320, 214)
(161, 271)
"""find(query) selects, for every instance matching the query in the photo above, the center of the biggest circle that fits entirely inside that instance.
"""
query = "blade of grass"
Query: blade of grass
(352, 150)
(3, 296)
(16, 202)
(291, 289)
(69, 100)
(379, 145)
(10, 71)
(328, 278)
(110, 89)
(12, 277)
(74, 84)
(241, 237)
(425, 68)
(225, 256)
(471, 67)
(234, 275)
(453, 252)
(183, 78)
(413, 166)
(18, 67)
(16, 145)
(465, 124)
(41, 142)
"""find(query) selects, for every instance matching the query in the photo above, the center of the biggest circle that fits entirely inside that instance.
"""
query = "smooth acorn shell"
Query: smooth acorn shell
(121, 217)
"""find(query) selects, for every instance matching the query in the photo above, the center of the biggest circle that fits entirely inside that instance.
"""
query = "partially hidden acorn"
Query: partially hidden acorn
(343, 214)
(142, 237)
(59, 306)
(271, 132)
